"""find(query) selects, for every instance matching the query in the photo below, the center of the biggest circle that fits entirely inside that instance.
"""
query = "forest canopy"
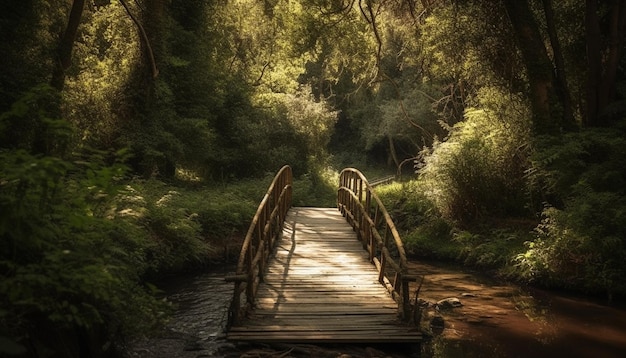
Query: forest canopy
(136, 137)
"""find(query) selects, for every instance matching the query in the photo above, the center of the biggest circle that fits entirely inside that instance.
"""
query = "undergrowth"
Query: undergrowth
(576, 244)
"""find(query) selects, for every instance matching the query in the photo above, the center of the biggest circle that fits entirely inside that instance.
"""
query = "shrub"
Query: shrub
(581, 240)
(478, 171)
(68, 263)
(318, 188)
(185, 225)
(295, 130)
(492, 249)
(421, 227)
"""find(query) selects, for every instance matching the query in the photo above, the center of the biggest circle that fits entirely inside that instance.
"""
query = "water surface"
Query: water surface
(505, 320)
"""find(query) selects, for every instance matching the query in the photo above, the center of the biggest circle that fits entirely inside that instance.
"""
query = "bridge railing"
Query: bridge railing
(264, 230)
(381, 181)
(375, 229)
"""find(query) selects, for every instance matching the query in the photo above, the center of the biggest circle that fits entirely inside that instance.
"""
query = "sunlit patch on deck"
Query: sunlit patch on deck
(321, 287)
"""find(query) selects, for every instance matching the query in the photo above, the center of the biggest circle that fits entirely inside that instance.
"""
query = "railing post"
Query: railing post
(383, 263)
(405, 298)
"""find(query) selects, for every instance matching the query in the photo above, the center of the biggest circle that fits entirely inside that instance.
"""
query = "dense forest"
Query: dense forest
(136, 138)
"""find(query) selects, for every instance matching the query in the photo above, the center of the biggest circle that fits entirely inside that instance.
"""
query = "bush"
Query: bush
(185, 225)
(478, 172)
(294, 130)
(68, 263)
(318, 188)
(424, 232)
(493, 249)
(427, 234)
(581, 240)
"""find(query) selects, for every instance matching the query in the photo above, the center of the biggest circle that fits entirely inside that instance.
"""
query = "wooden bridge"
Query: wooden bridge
(316, 275)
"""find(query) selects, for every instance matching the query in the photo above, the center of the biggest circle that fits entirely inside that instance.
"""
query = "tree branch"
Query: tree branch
(144, 36)
(404, 111)
(370, 17)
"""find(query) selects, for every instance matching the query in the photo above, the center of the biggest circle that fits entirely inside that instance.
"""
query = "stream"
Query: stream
(195, 329)
(494, 320)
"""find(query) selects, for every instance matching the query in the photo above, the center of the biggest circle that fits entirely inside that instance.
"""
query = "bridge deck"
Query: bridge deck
(321, 287)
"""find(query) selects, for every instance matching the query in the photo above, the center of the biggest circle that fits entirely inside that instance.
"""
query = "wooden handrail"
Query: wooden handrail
(265, 228)
(360, 205)
(381, 181)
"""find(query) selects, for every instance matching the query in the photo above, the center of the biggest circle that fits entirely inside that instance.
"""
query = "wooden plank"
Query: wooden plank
(327, 320)
(328, 337)
(321, 287)
(321, 297)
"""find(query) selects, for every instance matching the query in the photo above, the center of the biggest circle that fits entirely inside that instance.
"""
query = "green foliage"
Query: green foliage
(183, 225)
(67, 259)
(493, 249)
(405, 203)
(176, 235)
(28, 124)
(28, 34)
(247, 86)
(338, 47)
(408, 119)
(478, 171)
(316, 188)
(471, 43)
(259, 37)
(565, 253)
(580, 242)
(424, 231)
(179, 122)
(299, 135)
(106, 55)
(592, 159)
(427, 234)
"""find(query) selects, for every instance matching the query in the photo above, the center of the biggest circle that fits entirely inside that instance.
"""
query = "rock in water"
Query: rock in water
(448, 303)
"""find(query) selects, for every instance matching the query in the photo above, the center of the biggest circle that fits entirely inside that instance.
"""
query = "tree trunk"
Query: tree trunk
(616, 37)
(594, 62)
(538, 66)
(144, 37)
(392, 151)
(559, 64)
(153, 46)
(67, 43)
(603, 62)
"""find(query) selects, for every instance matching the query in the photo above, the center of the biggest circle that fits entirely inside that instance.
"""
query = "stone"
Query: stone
(448, 303)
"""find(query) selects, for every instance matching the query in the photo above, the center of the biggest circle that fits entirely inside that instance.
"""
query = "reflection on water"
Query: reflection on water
(202, 306)
(507, 321)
